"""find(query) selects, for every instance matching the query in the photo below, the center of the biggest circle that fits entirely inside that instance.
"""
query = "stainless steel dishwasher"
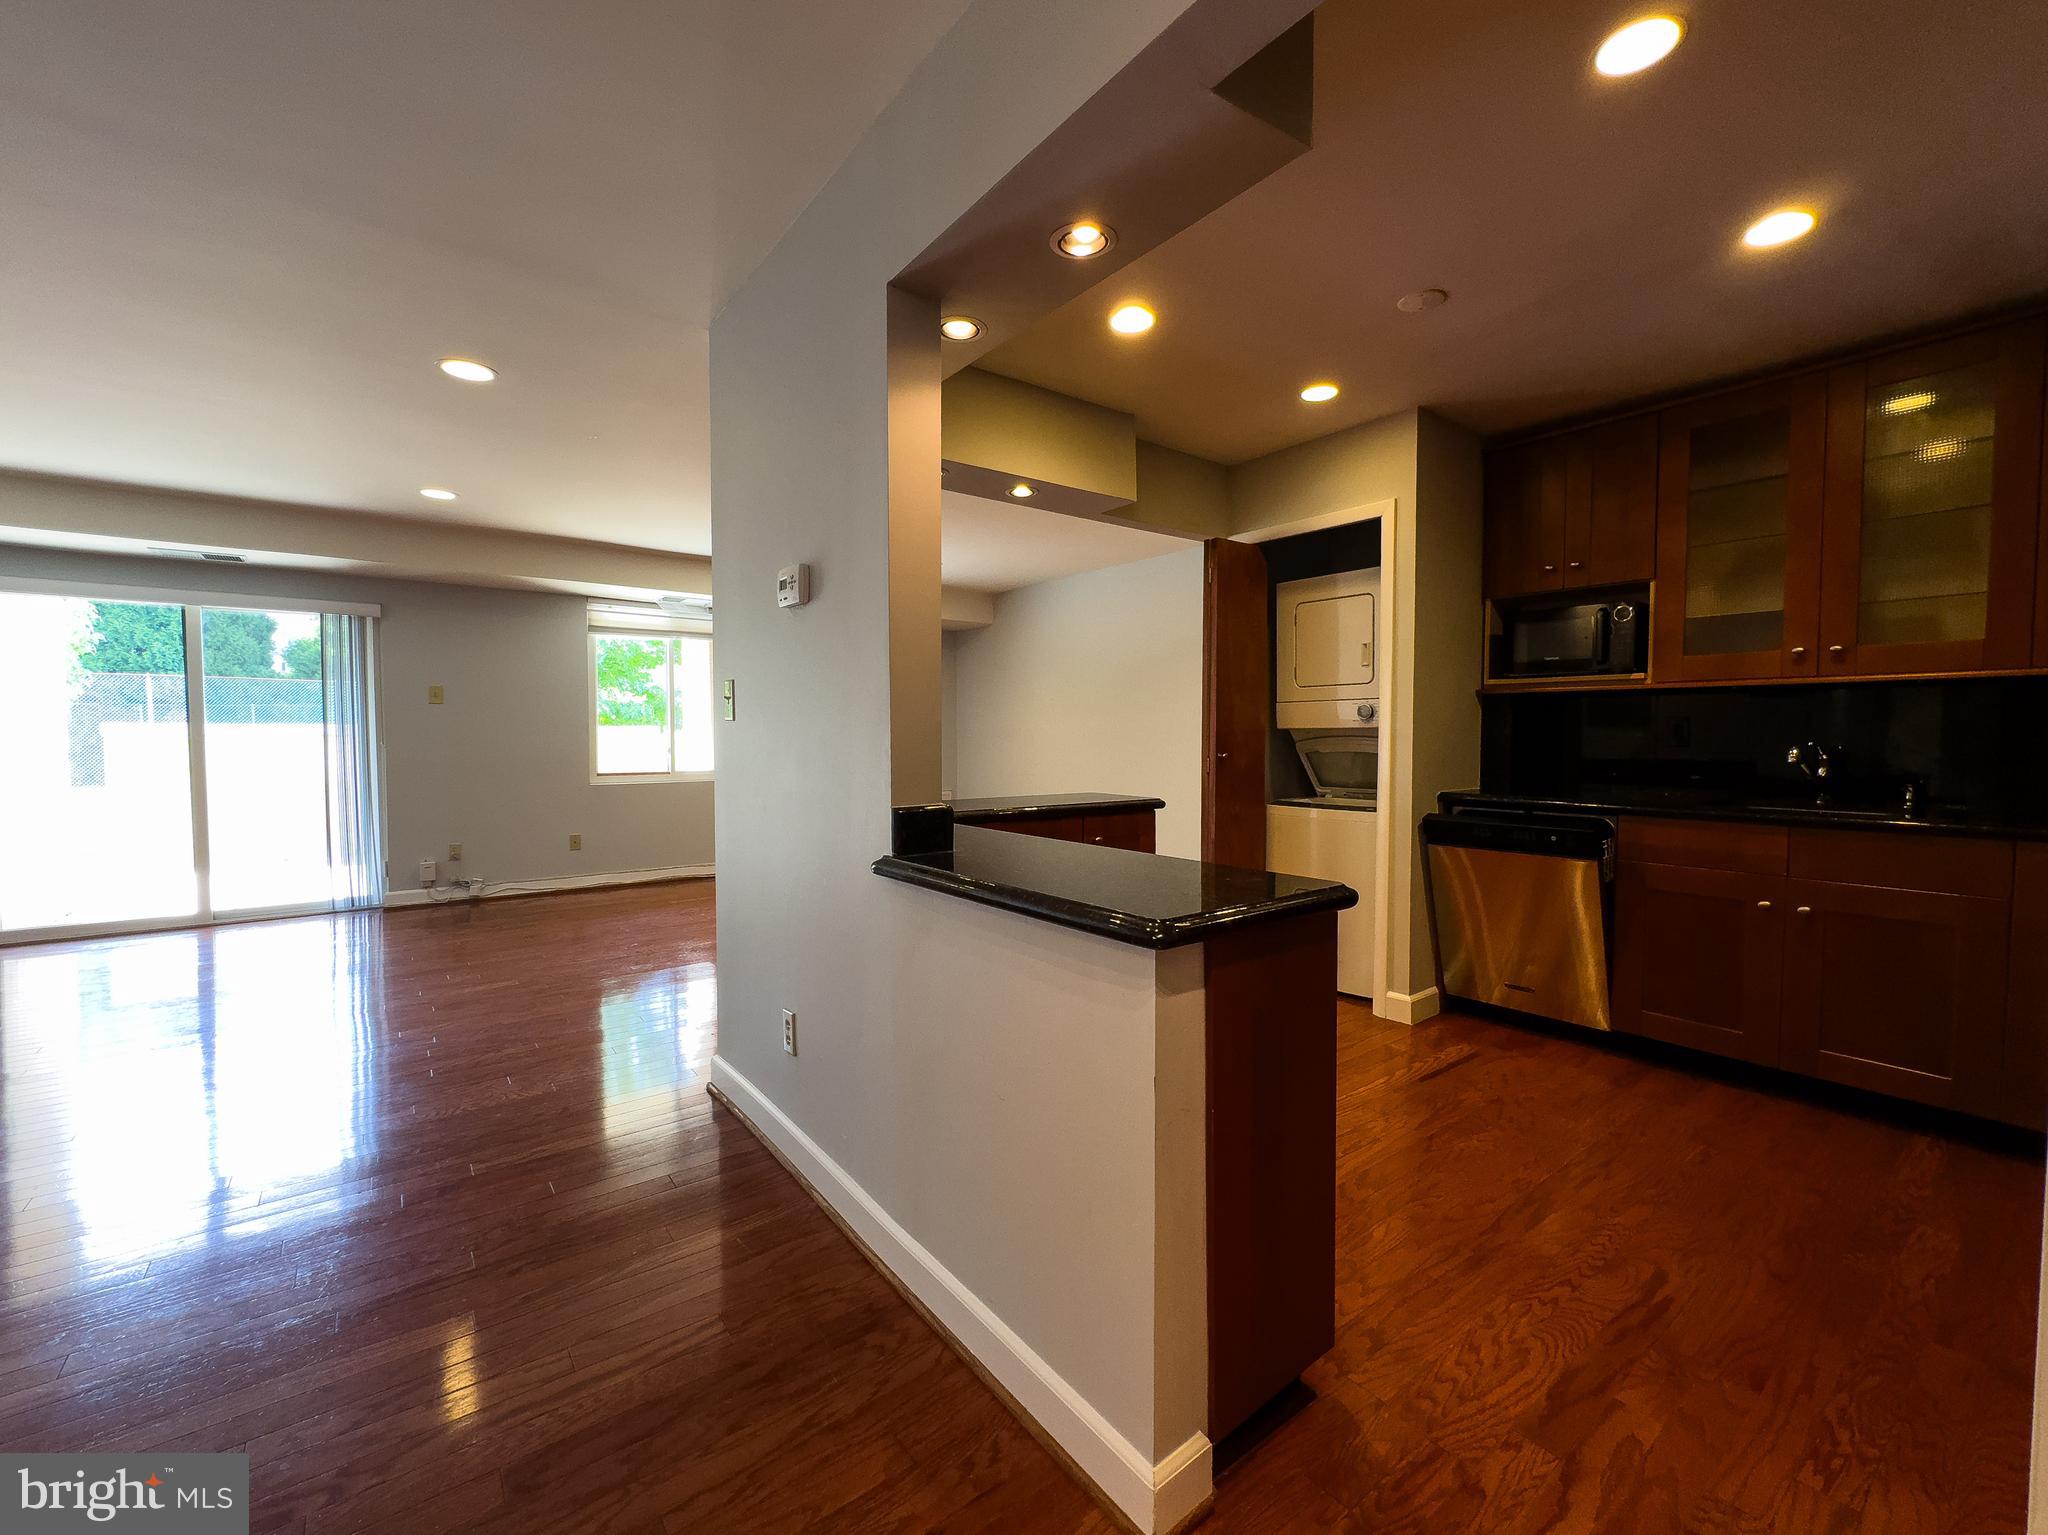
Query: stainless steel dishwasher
(1520, 906)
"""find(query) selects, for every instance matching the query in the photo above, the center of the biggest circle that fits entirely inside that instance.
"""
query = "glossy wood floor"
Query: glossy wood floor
(430, 1213)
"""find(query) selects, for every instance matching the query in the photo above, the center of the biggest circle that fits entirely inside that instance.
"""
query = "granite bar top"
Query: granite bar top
(1022, 806)
(1135, 898)
(1716, 805)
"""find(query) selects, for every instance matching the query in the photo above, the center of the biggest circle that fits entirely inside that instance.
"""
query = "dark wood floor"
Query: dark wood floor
(430, 1213)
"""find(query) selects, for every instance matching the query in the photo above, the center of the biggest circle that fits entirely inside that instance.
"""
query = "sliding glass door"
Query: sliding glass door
(170, 763)
(266, 773)
(96, 775)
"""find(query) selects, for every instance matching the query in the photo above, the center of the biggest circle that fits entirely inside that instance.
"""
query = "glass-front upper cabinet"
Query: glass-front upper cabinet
(1933, 473)
(1738, 533)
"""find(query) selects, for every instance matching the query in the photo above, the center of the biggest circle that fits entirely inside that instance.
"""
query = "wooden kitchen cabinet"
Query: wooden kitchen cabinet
(1877, 960)
(1928, 561)
(1572, 512)
(1699, 958)
(2026, 997)
(1133, 829)
(1897, 991)
(2041, 564)
(1739, 518)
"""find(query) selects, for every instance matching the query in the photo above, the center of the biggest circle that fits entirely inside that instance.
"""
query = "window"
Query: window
(651, 706)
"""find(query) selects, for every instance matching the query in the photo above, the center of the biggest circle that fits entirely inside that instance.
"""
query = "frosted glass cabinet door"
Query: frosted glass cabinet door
(1933, 478)
(1738, 533)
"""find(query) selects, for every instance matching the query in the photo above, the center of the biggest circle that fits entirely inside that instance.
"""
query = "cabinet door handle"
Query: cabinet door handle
(1799, 652)
(1835, 652)
(1577, 565)
(1763, 905)
(1550, 570)
(1804, 911)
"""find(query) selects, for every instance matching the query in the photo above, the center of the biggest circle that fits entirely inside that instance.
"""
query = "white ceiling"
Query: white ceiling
(990, 546)
(1586, 229)
(238, 233)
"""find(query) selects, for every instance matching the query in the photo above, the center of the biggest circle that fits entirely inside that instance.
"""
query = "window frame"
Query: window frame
(621, 632)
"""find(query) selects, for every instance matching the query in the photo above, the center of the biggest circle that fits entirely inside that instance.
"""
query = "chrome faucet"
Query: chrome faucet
(1817, 762)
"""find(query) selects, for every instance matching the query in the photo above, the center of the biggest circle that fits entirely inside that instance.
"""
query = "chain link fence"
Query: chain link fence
(151, 698)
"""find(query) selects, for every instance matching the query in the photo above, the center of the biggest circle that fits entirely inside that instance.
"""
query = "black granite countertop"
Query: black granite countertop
(1717, 805)
(1017, 806)
(1135, 898)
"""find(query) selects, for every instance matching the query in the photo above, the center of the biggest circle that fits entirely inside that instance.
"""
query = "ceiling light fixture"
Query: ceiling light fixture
(1421, 299)
(1315, 394)
(1779, 228)
(1637, 46)
(1084, 239)
(959, 327)
(1941, 450)
(468, 370)
(1021, 491)
(437, 493)
(1132, 320)
(1906, 404)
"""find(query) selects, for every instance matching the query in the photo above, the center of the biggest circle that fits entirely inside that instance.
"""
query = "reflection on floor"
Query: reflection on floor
(430, 1214)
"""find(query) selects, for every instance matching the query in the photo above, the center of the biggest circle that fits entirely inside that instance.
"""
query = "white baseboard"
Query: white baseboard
(450, 895)
(1153, 1497)
(1408, 1006)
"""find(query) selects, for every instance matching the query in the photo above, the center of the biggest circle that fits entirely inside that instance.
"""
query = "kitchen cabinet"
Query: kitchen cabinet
(1699, 958)
(1928, 560)
(1572, 512)
(2041, 564)
(1883, 518)
(2026, 994)
(1897, 991)
(1739, 503)
(1132, 829)
(1875, 960)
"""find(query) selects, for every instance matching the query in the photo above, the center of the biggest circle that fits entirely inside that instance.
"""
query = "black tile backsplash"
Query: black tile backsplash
(1979, 745)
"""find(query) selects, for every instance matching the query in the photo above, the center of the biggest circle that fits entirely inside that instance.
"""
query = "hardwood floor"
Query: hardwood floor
(431, 1214)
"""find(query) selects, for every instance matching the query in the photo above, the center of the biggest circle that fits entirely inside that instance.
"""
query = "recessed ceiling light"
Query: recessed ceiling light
(468, 370)
(436, 493)
(1941, 450)
(1421, 299)
(1315, 394)
(1638, 45)
(1082, 240)
(1780, 228)
(1132, 320)
(1021, 491)
(959, 327)
(1906, 404)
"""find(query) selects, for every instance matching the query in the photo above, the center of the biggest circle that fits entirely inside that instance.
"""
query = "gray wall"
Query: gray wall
(503, 766)
(1090, 682)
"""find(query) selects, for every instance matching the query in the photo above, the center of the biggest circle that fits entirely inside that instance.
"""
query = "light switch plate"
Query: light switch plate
(434, 694)
(731, 702)
(575, 841)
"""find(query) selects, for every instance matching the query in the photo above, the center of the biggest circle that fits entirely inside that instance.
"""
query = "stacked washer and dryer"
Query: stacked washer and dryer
(1326, 697)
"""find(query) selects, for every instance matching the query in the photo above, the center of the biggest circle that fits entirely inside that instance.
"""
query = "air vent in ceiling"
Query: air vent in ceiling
(197, 554)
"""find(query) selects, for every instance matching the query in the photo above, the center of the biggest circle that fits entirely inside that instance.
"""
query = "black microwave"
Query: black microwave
(1606, 637)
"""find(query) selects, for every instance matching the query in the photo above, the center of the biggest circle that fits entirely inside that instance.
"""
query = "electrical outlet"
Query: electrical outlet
(475, 887)
(788, 1032)
(575, 841)
(434, 694)
(426, 871)
(455, 852)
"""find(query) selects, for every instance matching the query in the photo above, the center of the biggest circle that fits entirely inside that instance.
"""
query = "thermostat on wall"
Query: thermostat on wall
(792, 586)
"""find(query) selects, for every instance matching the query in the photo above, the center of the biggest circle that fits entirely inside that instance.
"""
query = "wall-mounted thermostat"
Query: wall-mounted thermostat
(792, 586)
